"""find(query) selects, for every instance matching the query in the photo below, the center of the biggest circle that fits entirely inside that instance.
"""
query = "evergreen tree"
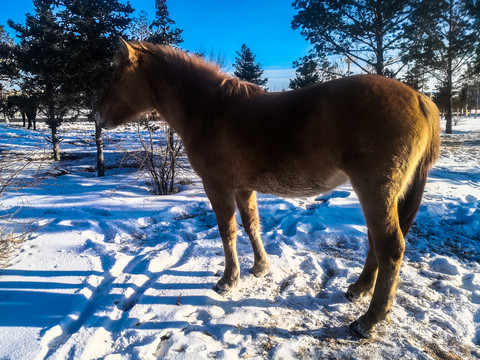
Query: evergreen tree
(311, 70)
(370, 33)
(246, 68)
(306, 73)
(163, 32)
(4, 37)
(92, 31)
(416, 77)
(8, 68)
(443, 38)
(475, 13)
(41, 56)
(140, 28)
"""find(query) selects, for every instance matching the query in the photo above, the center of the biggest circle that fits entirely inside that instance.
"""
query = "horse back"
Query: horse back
(310, 140)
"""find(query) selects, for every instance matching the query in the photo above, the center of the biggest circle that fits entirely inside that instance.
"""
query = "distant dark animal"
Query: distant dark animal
(28, 106)
(375, 132)
(8, 114)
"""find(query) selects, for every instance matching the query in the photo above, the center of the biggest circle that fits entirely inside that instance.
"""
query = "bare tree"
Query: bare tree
(161, 148)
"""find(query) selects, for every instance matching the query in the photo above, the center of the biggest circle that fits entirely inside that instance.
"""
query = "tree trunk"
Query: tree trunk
(379, 34)
(476, 101)
(379, 67)
(55, 142)
(171, 155)
(448, 115)
(52, 123)
(99, 142)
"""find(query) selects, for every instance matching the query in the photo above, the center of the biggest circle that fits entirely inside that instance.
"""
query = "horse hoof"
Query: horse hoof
(352, 296)
(259, 271)
(356, 329)
(223, 288)
(220, 290)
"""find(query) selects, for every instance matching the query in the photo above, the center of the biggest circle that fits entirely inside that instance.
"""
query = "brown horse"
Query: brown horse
(375, 132)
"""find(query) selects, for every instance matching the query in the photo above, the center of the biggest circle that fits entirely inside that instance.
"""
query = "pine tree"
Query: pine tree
(41, 56)
(92, 31)
(416, 77)
(140, 28)
(311, 71)
(475, 12)
(4, 37)
(370, 33)
(7, 65)
(306, 73)
(246, 68)
(7, 68)
(163, 32)
(443, 37)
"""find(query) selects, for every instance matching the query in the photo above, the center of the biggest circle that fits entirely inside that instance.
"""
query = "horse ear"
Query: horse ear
(127, 51)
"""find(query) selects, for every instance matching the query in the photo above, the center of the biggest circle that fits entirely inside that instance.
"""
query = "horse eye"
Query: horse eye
(116, 77)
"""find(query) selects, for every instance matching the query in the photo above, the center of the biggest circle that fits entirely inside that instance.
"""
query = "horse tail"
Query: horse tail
(409, 204)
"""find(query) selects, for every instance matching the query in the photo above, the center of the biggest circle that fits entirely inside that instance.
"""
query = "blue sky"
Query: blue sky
(222, 27)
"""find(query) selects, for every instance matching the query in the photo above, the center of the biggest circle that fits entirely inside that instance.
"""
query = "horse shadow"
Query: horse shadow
(48, 302)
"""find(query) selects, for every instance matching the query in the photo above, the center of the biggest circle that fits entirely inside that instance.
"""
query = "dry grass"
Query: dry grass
(14, 178)
(8, 243)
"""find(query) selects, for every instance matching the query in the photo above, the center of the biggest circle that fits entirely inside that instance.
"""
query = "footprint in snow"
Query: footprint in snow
(445, 266)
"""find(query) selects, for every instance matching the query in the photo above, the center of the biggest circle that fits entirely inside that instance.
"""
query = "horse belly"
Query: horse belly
(297, 184)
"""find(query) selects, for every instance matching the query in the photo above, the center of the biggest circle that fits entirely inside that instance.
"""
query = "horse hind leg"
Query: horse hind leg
(247, 205)
(366, 281)
(388, 246)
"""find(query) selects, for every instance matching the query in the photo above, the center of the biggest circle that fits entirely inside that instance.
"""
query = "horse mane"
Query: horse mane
(193, 64)
(237, 87)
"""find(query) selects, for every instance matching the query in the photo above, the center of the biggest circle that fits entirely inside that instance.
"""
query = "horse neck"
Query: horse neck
(187, 88)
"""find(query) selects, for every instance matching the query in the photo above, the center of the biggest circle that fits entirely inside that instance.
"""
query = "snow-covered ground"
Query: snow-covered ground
(114, 272)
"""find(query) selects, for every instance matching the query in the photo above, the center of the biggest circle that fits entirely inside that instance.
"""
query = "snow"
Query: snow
(111, 271)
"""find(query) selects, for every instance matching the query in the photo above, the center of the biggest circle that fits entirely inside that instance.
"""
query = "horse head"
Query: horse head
(126, 96)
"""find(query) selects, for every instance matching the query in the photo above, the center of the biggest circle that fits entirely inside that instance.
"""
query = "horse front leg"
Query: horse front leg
(247, 205)
(223, 204)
